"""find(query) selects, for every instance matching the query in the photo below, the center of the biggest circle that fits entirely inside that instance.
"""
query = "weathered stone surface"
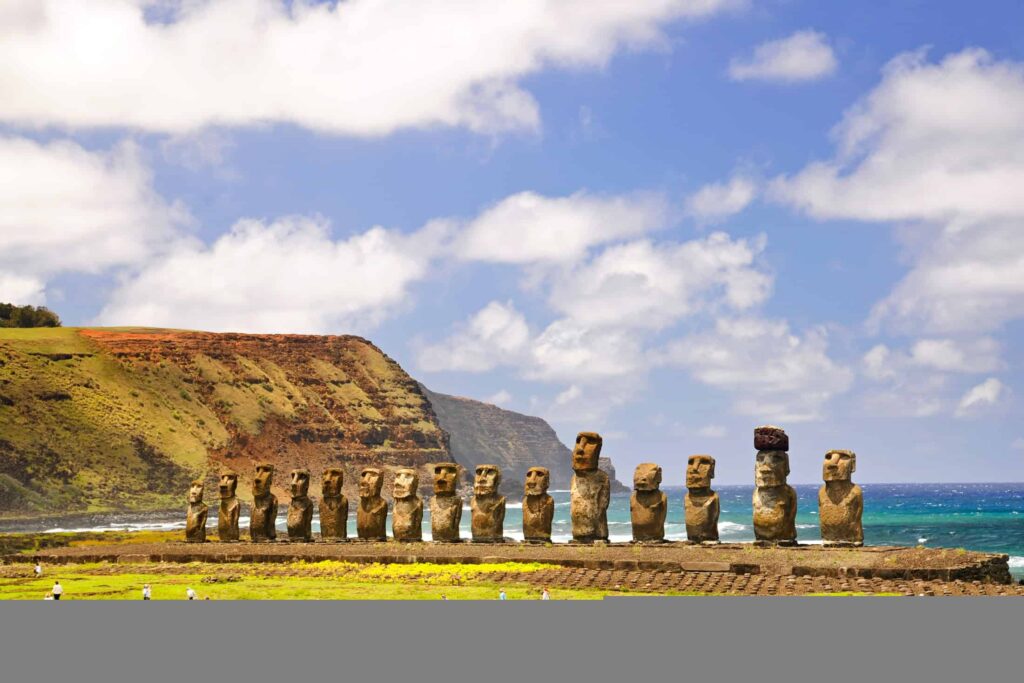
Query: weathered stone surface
(372, 512)
(446, 505)
(770, 438)
(840, 501)
(487, 506)
(300, 511)
(538, 506)
(333, 506)
(227, 515)
(407, 516)
(195, 520)
(263, 517)
(589, 492)
(774, 500)
(701, 504)
(648, 505)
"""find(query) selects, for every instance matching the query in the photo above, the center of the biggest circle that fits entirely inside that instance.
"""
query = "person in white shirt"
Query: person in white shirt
(38, 569)
(57, 591)
(545, 595)
(190, 593)
(502, 596)
(146, 593)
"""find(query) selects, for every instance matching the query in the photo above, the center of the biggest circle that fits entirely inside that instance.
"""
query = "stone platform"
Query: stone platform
(881, 563)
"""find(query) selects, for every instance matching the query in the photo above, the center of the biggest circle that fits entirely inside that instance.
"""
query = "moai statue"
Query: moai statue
(195, 520)
(227, 515)
(538, 506)
(263, 517)
(333, 506)
(589, 492)
(648, 506)
(372, 512)
(488, 506)
(446, 505)
(774, 499)
(300, 512)
(701, 504)
(840, 501)
(407, 516)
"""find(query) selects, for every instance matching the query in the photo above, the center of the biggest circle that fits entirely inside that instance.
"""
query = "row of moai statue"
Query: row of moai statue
(840, 501)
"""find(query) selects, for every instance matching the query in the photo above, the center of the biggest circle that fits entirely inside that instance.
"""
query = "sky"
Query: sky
(668, 221)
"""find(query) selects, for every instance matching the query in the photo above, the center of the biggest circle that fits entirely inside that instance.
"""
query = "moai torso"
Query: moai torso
(228, 512)
(487, 506)
(840, 501)
(333, 506)
(589, 492)
(195, 519)
(648, 505)
(701, 504)
(538, 506)
(263, 516)
(300, 510)
(445, 506)
(407, 515)
(774, 500)
(372, 511)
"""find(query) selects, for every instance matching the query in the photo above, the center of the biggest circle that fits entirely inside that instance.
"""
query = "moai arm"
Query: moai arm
(202, 517)
(233, 514)
(604, 495)
(791, 508)
(549, 512)
(499, 511)
(272, 518)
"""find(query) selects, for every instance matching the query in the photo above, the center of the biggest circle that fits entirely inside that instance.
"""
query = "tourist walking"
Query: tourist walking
(502, 596)
(57, 591)
(190, 593)
(545, 595)
(146, 592)
(39, 569)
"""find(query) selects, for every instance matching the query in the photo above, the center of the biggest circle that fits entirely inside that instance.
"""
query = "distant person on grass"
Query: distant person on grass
(502, 596)
(57, 591)
(147, 594)
(190, 593)
(39, 569)
(545, 595)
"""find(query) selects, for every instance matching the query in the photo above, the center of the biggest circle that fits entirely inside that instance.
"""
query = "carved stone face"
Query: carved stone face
(370, 482)
(407, 483)
(700, 470)
(334, 479)
(446, 478)
(587, 451)
(195, 492)
(771, 468)
(487, 480)
(300, 483)
(537, 481)
(264, 478)
(839, 465)
(647, 477)
(228, 484)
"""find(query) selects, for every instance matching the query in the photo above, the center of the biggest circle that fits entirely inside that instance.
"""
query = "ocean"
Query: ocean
(983, 517)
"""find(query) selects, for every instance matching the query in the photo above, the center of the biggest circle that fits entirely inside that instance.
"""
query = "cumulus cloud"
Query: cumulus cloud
(363, 67)
(717, 201)
(286, 276)
(988, 394)
(495, 335)
(939, 148)
(64, 208)
(803, 56)
(772, 373)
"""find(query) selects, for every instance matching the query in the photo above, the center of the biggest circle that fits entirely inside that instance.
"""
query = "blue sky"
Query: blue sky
(668, 221)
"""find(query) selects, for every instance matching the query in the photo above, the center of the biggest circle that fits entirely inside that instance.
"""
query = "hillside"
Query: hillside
(112, 419)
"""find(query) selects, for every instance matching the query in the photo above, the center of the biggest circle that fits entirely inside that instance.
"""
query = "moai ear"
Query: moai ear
(711, 474)
(854, 465)
(787, 464)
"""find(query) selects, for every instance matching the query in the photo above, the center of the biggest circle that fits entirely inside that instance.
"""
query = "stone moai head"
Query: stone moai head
(647, 477)
(487, 480)
(700, 470)
(839, 465)
(300, 483)
(195, 492)
(537, 481)
(371, 480)
(334, 479)
(446, 478)
(407, 483)
(264, 478)
(587, 452)
(771, 468)
(228, 484)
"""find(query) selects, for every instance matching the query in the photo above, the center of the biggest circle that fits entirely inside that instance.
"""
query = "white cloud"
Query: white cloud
(717, 201)
(986, 395)
(495, 335)
(286, 276)
(772, 373)
(803, 56)
(362, 67)
(949, 355)
(64, 208)
(530, 228)
(501, 398)
(938, 147)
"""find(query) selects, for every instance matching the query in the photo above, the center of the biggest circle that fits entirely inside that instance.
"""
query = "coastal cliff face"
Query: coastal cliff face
(122, 419)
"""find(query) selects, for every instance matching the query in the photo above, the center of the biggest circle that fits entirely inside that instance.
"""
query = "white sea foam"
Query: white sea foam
(1016, 562)
(732, 526)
